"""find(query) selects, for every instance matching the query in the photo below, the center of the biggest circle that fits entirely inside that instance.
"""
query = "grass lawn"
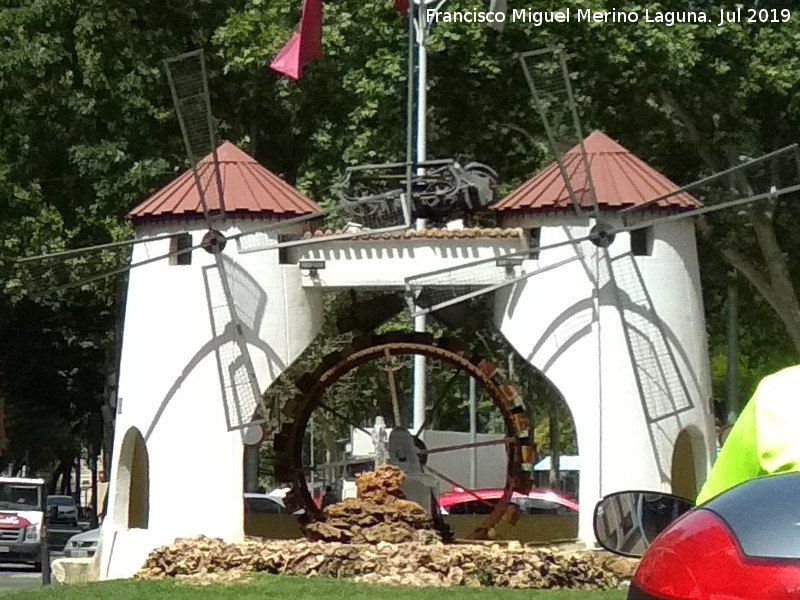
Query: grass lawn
(293, 588)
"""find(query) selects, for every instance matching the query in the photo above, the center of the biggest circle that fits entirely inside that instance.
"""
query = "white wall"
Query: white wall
(386, 263)
(566, 323)
(169, 382)
(169, 388)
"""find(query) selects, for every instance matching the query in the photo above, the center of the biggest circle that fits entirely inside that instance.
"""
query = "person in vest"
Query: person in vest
(765, 438)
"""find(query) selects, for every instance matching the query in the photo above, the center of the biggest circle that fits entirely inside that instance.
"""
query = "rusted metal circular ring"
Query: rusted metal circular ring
(520, 453)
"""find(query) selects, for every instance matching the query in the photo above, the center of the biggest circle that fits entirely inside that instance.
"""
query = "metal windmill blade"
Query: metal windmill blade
(50, 273)
(658, 372)
(725, 191)
(188, 82)
(549, 79)
(549, 82)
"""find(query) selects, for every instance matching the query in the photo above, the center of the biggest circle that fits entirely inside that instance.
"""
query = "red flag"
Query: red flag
(401, 6)
(305, 45)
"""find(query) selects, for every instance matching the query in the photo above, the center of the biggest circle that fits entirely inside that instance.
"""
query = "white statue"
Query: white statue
(380, 441)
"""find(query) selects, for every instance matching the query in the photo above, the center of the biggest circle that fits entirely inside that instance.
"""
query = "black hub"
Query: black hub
(213, 242)
(602, 235)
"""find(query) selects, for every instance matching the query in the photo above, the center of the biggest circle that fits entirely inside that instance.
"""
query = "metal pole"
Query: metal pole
(422, 88)
(45, 554)
(473, 433)
(410, 108)
(93, 467)
(76, 495)
(312, 462)
(420, 322)
(731, 374)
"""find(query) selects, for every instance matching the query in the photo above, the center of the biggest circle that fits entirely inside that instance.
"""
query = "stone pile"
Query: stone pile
(382, 538)
(406, 564)
(379, 514)
(357, 521)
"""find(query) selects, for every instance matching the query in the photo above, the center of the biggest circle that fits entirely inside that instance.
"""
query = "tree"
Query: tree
(720, 92)
(85, 134)
(87, 131)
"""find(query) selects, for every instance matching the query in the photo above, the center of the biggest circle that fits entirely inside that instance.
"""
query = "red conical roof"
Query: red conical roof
(621, 180)
(248, 189)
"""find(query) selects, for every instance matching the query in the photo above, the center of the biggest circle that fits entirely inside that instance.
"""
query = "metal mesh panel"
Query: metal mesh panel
(239, 386)
(750, 182)
(249, 297)
(189, 86)
(658, 376)
(549, 82)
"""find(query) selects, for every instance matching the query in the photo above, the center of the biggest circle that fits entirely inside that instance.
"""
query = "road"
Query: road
(18, 577)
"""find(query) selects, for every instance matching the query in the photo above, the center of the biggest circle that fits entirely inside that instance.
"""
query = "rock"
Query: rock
(379, 514)
(382, 485)
(328, 532)
(407, 564)
(382, 538)
(621, 566)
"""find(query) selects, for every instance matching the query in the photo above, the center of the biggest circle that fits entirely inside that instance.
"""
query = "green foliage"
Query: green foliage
(85, 134)
(87, 131)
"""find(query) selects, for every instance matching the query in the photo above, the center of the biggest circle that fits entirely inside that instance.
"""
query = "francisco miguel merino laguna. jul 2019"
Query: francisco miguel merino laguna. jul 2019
(669, 18)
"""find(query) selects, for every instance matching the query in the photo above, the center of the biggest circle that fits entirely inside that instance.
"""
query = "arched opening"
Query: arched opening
(338, 437)
(685, 456)
(133, 482)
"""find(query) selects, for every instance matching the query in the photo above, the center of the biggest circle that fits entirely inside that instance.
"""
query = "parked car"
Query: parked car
(82, 545)
(62, 510)
(263, 504)
(536, 502)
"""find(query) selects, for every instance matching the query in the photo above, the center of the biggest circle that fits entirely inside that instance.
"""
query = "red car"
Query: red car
(536, 502)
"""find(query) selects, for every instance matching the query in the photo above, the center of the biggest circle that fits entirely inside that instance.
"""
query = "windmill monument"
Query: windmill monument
(594, 274)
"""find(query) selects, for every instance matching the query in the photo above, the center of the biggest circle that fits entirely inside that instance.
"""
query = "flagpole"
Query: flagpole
(422, 88)
(420, 322)
(410, 106)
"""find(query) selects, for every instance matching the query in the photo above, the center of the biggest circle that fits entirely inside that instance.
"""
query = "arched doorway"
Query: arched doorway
(133, 482)
(685, 455)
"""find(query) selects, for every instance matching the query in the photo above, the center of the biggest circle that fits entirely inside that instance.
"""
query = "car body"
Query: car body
(742, 545)
(82, 545)
(62, 510)
(263, 504)
(536, 502)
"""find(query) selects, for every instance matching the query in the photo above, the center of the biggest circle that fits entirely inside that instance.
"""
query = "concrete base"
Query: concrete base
(68, 571)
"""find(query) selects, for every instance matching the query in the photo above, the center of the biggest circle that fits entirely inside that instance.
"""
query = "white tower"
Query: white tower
(175, 457)
(620, 331)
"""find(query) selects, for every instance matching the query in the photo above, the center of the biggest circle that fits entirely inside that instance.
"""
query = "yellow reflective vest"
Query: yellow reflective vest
(765, 438)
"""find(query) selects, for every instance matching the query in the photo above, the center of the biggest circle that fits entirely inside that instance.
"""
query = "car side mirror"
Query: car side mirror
(627, 523)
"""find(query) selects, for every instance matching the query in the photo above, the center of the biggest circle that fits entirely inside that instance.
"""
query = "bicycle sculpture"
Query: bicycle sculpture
(444, 190)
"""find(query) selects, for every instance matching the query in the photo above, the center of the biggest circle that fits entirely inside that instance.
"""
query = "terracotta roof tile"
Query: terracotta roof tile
(621, 180)
(248, 189)
(445, 234)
